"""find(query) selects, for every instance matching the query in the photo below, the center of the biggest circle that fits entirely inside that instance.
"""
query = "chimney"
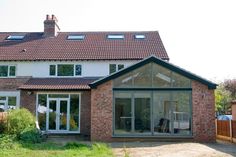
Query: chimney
(51, 27)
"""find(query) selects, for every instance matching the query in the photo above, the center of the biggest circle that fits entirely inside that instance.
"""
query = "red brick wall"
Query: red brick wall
(203, 105)
(28, 100)
(101, 112)
(85, 113)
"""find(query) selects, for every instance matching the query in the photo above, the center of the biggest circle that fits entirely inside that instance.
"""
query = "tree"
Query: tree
(230, 85)
(222, 99)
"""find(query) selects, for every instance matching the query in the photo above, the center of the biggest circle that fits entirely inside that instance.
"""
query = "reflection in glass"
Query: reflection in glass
(63, 115)
(74, 112)
(142, 112)
(123, 115)
(42, 110)
(52, 114)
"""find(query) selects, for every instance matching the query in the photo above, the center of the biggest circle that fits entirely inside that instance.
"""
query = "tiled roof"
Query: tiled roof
(58, 83)
(95, 46)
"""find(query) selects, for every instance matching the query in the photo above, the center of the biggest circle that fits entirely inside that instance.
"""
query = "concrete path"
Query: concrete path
(170, 149)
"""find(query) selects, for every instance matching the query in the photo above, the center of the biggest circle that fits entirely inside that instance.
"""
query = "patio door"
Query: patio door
(58, 115)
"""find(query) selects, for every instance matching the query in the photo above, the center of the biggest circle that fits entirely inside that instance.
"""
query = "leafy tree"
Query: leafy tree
(222, 99)
(230, 85)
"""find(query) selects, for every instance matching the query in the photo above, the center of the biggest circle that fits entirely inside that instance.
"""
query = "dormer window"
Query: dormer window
(76, 37)
(15, 37)
(139, 36)
(115, 36)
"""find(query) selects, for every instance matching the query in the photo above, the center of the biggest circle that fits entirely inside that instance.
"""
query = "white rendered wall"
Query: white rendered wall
(41, 68)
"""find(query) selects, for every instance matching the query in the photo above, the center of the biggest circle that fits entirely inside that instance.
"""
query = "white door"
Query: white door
(58, 115)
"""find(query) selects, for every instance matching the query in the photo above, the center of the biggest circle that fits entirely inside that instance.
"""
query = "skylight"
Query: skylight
(76, 37)
(139, 36)
(115, 36)
(15, 37)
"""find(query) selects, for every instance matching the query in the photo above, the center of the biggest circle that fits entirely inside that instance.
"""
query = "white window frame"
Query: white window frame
(10, 94)
(56, 70)
(8, 72)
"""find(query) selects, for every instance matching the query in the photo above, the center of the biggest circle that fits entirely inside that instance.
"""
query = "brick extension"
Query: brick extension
(202, 105)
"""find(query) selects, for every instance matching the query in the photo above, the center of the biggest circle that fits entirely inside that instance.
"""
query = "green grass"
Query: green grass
(45, 149)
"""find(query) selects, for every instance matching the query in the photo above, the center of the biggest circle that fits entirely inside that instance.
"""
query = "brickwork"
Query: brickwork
(203, 105)
(28, 100)
(12, 84)
(85, 113)
(101, 112)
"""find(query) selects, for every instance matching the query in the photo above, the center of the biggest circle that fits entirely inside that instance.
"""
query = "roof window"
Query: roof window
(15, 37)
(139, 36)
(76, 37)
(115, 36)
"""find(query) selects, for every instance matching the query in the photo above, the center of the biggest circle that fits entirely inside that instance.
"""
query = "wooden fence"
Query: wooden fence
(3, 116)
(226, 130)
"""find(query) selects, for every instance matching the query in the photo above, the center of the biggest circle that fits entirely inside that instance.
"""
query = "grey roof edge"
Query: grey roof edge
(152, 58)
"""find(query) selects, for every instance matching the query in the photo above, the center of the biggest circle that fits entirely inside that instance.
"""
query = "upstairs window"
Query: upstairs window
(115, 36)
(76, 37)
(115, 67)
(65, 70)
(15, 37)
(7, 70)
(139, 36)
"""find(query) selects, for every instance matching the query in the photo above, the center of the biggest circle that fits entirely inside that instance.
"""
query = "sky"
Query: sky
(199, 35)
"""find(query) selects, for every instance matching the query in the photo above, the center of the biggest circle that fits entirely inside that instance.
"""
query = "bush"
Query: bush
(7, 141)
(2, 127)
(18, 120)
(31, 135)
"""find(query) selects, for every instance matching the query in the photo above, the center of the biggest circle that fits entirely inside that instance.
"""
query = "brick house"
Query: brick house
(110, 86)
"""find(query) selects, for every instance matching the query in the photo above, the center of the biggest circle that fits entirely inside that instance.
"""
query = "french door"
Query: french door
(58, 114)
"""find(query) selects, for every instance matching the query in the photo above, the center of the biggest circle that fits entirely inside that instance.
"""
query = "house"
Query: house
(110, 86)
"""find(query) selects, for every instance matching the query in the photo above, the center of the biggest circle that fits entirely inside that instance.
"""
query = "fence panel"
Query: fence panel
(223, 128)
(233, 128)
(3, 116)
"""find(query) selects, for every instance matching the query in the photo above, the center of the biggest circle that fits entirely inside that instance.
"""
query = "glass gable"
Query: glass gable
(152, 75)
(152, 101)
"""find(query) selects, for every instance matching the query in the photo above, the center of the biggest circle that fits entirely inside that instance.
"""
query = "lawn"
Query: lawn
(46, 149)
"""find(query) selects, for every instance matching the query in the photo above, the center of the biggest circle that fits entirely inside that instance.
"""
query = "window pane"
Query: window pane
(63, 115)
(42, 109)
(124, 80)
(58, 96)
(2, 106)
(65, 70)
(120, 66)
(112, 68)
(143, 76)
(12, 102)
(52, 70)
(12, 71)
(161, 112)
(161, 76)
(180, 81)
(3, 98)
(74, 113)
(181, 113)
(123, 115)
(3, 71)
(78, 70)
(52, 114)
(142, 105)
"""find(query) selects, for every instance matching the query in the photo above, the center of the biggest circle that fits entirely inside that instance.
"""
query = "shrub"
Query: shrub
(31, 135)
(18, 120)
(7, 141)
(2, 127)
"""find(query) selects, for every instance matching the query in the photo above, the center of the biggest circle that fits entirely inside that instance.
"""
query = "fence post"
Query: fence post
(230, 131)
(216, 127)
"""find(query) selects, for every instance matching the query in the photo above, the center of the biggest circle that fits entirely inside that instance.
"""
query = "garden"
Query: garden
(20, 137)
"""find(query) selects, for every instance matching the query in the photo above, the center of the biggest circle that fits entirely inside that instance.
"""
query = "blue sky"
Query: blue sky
(199, 35)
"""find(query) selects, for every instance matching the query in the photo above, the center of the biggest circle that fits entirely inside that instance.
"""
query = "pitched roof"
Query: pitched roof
(159, 61)
(95, 46)
(58, 83)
